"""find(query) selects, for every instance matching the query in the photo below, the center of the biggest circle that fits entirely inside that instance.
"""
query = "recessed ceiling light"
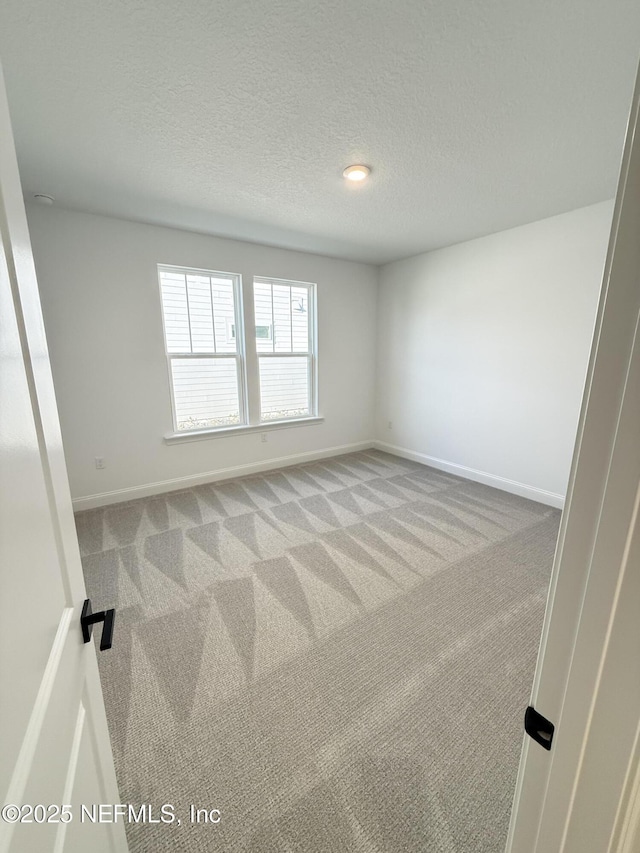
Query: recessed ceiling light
(41, 198)
(356, 173)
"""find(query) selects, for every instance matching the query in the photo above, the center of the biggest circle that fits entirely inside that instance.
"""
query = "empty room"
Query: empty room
(317, 353)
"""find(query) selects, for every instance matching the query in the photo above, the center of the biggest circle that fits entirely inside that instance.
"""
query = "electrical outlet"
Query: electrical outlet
(99, 462)
(263, 437)
(390, 425)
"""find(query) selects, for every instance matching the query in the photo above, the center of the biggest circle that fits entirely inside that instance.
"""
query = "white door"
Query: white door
(54, 743)
(573, 798)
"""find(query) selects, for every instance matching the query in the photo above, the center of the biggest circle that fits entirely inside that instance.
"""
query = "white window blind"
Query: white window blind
(285, 343)
(206, 364)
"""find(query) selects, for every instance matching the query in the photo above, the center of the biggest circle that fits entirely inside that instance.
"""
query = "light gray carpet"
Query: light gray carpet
(337, 656)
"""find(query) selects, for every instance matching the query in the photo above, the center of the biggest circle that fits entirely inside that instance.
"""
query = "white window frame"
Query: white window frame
(239, 355)
(247, 359)
(311, 353)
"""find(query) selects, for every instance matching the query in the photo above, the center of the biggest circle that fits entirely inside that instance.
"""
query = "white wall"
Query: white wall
(100, 298)
(483, 350)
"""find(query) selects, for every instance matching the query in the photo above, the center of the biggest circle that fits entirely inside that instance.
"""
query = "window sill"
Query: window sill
(200, 434)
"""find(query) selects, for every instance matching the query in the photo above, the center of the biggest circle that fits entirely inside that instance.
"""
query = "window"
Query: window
(286, 363)
(201, 313)
(212, 388)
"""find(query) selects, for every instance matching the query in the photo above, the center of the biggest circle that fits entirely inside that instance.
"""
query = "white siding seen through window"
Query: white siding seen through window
(204, 338)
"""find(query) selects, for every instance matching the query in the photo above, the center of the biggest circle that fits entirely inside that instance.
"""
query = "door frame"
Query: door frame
(16, 262)
(591, 571)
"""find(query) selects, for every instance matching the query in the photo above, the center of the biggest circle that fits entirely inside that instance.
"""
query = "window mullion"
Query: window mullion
(251, 357)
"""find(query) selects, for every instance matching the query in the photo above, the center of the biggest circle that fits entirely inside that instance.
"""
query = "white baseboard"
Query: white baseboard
(524, 491)
(149, 489)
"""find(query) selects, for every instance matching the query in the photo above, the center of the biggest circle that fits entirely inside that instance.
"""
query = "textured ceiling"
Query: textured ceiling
(236, 117)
